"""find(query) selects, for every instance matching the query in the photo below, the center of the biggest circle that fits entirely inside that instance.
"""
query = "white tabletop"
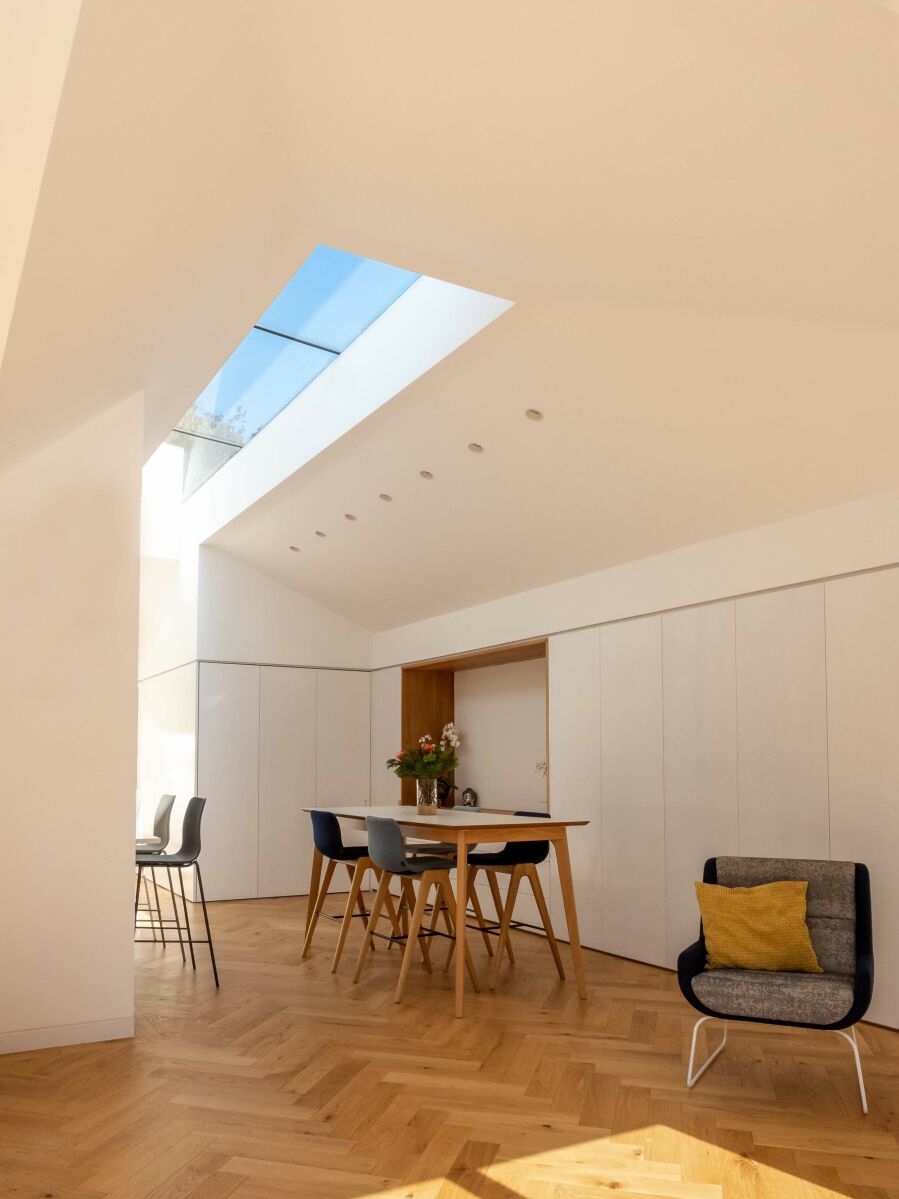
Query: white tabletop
(459, 818)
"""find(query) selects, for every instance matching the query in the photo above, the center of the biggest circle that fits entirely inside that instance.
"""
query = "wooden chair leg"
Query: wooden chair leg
(409, 902)
(319, 901)
(372, 923)
(514, 880)
(498, 904)
(478, 915)
(449, 899)
(393, 916)
(356, 876)
(478, 911)
(425, 883)
(537, 888)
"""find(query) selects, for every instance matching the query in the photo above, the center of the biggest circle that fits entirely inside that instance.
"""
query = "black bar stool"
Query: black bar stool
(186, 857)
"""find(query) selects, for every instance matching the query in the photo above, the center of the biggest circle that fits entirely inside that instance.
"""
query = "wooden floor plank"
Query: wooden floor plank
(292, 1081)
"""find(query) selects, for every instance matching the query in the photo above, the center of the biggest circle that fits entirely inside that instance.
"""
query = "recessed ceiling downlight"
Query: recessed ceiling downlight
(426, 474)
(533, 414)
(319, 533)
(475, 447)
(295, 548)
(348, 516)
(388, 499)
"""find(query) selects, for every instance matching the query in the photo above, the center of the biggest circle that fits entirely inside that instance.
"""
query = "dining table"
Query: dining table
(463, 827)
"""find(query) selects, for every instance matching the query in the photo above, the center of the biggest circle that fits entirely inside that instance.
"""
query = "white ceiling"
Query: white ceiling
(660, 429)
(612, 168)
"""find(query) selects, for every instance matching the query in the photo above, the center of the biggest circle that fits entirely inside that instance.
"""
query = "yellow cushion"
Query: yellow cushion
(757, 928)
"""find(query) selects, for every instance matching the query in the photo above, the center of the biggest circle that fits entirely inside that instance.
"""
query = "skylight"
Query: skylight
(332, 298)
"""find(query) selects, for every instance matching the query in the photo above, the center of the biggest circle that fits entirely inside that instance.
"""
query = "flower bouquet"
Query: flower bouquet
(428, 762)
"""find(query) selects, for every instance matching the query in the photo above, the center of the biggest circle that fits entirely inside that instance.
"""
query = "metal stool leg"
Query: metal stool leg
(215, 973)
(158, 908)
(190, 941)
(175, 910)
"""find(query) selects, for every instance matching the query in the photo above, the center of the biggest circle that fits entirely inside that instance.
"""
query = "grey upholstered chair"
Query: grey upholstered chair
(838, 914)
(388, 852)
(161, 822)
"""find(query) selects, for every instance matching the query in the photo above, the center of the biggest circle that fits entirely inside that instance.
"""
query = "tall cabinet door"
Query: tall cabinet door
(782, 724)
(700, 705)
(574, 776)
(228, 776)
(863, 713)
(343, 742)
(287, 731)
(633, 814)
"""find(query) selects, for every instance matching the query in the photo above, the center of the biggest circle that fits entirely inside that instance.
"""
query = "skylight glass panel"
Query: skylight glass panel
(260, 378)
(331, 299)
(334, 296)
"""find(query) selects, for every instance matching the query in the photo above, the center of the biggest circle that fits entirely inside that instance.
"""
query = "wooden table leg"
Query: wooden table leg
(315, 879)
(574, 938)
(461, 909)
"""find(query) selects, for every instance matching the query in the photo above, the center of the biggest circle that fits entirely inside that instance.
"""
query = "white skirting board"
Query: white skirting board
(26, 1039)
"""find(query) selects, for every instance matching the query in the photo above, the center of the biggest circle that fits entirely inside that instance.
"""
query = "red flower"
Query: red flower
(400, 754)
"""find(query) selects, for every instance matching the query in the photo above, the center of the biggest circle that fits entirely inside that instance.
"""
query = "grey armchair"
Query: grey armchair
(839, 922)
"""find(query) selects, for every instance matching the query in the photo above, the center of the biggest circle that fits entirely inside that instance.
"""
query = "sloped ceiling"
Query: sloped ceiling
(637, 177)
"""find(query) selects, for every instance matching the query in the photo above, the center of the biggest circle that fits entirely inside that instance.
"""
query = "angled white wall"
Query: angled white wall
(246, 616)
(68, 714)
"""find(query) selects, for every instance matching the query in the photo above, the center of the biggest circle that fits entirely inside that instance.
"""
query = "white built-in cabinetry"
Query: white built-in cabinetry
(766, 725)
(287, 777)
(633, 821)
(782, 724)
(763, 725)
(271, 741)
(700, 752)
(862, 618)
(574, 723)
(228, 776)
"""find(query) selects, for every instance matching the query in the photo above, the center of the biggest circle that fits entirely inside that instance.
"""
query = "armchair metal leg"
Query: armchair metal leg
(850, 1037)
(692, 1078)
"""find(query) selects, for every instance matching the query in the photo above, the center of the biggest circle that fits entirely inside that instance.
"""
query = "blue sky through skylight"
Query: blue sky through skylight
(332, 298)
(260, 378)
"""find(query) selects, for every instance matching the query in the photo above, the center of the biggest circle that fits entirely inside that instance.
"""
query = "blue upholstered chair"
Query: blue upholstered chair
(390, 856)
(839, 922)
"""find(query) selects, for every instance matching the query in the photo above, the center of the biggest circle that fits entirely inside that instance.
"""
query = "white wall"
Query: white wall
(246, 616)
(34, 53)
(166, 744)
(168, 569)
(500, 712)
(850, 537)
(68, 717)
(386, 733)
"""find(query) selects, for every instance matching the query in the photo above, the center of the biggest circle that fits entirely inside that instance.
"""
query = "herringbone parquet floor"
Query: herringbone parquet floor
(292, 1082)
